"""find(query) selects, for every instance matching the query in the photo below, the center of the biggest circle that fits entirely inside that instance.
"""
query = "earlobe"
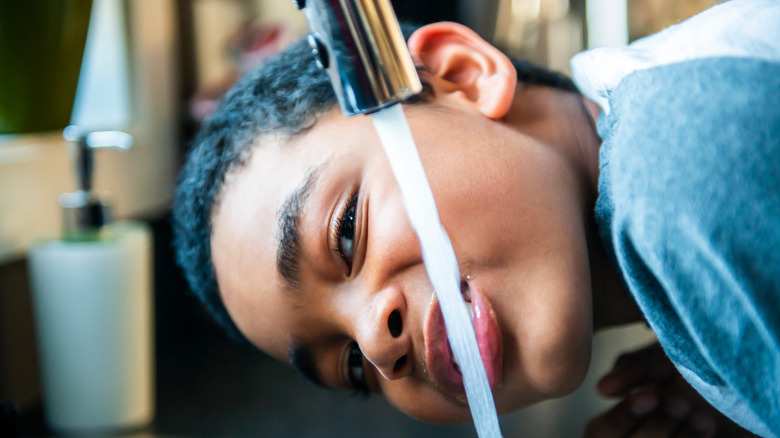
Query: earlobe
(466, 67)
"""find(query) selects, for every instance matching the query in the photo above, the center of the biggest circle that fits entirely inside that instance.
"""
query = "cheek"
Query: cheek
(552, 320)
(562, 359)
(391, 236)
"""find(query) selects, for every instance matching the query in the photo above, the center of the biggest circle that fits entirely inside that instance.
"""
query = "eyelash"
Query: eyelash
(357, 382)
(343, 220)
(355, 370)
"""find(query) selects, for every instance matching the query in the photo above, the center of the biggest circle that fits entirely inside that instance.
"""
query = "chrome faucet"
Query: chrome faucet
(359, 43)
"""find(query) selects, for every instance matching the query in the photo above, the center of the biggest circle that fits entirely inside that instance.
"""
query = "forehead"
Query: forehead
(245, 233)
(245, 224)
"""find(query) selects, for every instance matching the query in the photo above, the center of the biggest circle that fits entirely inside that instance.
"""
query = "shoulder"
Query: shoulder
(682, 136)
(736, 28)
(720, 99)
(738, 82)
(692, 150)
(690, 190)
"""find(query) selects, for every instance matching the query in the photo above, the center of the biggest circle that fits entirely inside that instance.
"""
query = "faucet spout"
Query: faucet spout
(360, 44)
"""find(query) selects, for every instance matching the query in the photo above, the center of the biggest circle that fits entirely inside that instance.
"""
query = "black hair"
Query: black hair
(284, 96)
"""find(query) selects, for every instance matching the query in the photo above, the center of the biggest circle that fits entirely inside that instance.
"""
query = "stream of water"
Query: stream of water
(440, 262)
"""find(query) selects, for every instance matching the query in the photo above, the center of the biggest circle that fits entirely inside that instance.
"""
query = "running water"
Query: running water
(440, 262)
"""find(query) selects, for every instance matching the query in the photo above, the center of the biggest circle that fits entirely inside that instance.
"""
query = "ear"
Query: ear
(466, 67)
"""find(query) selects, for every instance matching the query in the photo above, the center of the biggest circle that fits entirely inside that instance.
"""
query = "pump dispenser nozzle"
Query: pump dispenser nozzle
(83, 213)
(360, 44)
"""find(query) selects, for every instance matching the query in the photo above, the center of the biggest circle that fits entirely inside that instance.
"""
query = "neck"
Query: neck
(613, 304)
(567, 122)
(589, 141)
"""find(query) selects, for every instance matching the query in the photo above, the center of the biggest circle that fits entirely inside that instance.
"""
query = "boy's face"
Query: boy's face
(511, 204)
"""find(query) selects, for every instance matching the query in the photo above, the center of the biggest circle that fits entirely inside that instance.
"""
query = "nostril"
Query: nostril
(399, 364)
(395, 324)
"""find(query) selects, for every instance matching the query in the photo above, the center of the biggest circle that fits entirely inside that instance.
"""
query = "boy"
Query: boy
(291, 229)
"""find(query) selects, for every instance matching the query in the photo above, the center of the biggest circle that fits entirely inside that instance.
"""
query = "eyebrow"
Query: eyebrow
(302, 361)
(289, 248)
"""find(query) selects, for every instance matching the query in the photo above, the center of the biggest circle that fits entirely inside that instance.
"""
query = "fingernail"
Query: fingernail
(677, 407)
(643, 404)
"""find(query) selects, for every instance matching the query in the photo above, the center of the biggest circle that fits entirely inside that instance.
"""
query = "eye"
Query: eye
(344, 231)
(355, 371)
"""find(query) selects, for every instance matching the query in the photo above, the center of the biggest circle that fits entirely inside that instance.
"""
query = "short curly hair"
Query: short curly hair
(284, 96)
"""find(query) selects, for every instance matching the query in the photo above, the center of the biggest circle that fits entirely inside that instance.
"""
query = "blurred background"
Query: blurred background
(155, 69)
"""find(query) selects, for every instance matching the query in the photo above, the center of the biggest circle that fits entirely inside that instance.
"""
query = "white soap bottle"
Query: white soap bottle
(93, 308)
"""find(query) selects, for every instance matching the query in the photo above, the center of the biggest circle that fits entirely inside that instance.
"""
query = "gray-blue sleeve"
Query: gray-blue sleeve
(689, 206)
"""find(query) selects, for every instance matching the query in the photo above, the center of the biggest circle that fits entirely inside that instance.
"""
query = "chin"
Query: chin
(565, 378)
(551, 379)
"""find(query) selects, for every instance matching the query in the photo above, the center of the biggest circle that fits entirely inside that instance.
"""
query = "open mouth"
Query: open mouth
(443, 367)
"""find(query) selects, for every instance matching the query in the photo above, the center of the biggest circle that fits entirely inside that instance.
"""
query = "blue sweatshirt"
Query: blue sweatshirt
(689, 208)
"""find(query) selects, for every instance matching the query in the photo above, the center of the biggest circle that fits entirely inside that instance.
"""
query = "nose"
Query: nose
(383, 336)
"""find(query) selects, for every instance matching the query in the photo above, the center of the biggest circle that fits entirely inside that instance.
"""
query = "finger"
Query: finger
(620, 381)
(677, 406)
(703, 424)
(614, 423)
(626, 375)
(703, 427)
(680, 400)
(648, 364)
(678, 385)
(657, 425)
(687, 432)
(623, 418)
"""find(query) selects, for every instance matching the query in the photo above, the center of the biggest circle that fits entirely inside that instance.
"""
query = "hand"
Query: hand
(656, 402)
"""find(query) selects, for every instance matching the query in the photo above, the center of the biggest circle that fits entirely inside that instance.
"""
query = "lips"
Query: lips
(438, 354)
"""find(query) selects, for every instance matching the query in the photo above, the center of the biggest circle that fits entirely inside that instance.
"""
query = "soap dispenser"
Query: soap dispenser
(92, 299)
